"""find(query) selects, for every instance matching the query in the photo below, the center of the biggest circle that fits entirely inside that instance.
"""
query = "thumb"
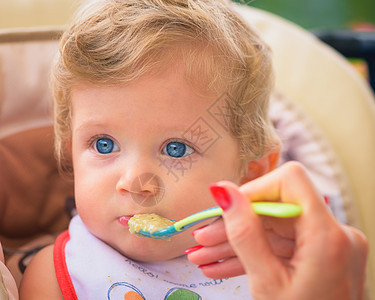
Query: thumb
(246, 235)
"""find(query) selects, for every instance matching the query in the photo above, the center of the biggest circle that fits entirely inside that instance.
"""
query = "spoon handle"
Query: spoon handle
(277, 209)
(273, 209)
(198, 217)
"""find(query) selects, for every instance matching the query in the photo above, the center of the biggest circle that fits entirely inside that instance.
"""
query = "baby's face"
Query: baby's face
(152, 146)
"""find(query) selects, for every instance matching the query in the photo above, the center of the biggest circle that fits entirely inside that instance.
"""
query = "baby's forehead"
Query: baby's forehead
(193, 62)
(167, 108)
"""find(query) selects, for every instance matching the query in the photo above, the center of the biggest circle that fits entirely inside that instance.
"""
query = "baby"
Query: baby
(155, 100)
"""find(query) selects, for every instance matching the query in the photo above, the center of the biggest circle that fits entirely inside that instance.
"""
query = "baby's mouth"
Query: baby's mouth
(123, 220)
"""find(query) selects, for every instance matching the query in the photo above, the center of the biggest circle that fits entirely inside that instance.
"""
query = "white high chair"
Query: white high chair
(321, 86)
(330, 92)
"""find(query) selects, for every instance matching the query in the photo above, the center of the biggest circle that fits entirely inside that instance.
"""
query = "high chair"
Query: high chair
(320, 99)
(329, 92)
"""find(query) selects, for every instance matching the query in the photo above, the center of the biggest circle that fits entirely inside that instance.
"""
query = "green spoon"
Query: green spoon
(273, 209)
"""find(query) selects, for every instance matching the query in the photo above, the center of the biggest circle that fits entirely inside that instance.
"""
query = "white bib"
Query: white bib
(98, 271)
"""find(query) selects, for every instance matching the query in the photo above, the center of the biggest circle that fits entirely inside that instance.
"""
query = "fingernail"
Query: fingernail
(196, 230)
(206, 265)
(192, 249)
(221, 196)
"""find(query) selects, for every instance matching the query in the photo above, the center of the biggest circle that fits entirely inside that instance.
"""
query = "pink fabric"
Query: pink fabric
(8, 287)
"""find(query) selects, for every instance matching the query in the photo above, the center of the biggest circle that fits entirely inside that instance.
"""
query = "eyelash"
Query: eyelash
(179, 141)
(91, 142)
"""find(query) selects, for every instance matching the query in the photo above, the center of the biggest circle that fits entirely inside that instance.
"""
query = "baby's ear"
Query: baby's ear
(259, 167)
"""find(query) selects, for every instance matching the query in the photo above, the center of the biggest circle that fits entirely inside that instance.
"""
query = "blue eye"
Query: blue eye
(106, 146)
(177, 149)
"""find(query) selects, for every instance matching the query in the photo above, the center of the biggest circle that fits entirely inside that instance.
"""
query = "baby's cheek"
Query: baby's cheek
(178, 168)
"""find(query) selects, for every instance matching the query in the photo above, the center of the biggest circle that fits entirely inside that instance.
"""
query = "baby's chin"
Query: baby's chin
(150, 250)
(152, 257)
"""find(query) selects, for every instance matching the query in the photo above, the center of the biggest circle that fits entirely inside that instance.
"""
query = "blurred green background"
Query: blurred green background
(310, 14)
(319, 14)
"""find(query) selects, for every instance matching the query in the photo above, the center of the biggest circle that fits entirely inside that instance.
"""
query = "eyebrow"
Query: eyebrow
(97, 124)
(88, 125)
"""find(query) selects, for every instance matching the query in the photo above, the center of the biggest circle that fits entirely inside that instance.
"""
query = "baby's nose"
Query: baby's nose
(147, 189)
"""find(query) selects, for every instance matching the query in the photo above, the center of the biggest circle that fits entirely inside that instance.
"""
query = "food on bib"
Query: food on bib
(148, 223)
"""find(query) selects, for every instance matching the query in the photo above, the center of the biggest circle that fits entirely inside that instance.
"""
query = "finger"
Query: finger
(211, 235)
(280, 235)
(208, 255)
(278, 231)
(291, 183)
(230, 267)
(357, 258)
(247, 237)
(288, 183)
(285, 227)
(281, 247)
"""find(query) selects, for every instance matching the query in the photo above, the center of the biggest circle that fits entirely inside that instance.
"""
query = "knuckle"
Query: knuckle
(340, 244)
(294, 168)
(347, 243)
(359, 241)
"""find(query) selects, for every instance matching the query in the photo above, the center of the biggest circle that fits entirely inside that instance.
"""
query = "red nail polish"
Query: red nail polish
(206, 265)
(221, 196)
(195, 231)
(192, 249)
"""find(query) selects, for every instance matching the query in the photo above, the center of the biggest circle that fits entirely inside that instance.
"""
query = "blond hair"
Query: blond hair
(117, 41)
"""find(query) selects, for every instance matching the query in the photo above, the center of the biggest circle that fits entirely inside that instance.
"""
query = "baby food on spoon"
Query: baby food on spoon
(148, 222)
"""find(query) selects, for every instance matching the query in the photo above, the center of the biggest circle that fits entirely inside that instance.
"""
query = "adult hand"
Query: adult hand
(308, 257)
